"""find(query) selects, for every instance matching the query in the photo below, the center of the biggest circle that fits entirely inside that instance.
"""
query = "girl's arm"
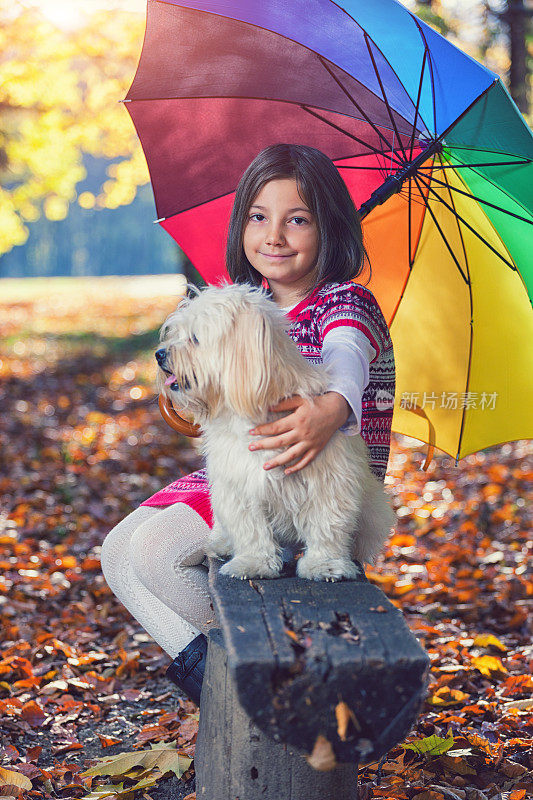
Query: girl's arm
(347, 353)
(305, 432)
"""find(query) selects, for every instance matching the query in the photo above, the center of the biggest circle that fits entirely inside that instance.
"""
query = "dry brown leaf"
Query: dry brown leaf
(446, 697)
(344, 714)
(322, 758)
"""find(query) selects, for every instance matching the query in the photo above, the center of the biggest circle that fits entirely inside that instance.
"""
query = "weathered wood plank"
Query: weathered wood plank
(298, 648)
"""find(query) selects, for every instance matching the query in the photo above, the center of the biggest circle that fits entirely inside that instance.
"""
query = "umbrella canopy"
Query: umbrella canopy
(431, 146)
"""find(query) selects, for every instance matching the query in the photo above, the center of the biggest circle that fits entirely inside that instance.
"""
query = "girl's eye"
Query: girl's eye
(299, 219)
(254, 216)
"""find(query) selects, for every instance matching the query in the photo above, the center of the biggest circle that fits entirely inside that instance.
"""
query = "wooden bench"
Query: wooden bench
(304, 681)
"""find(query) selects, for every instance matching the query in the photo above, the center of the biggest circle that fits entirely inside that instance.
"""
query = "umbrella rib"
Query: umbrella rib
(484, 164)
(252, 97)
(354, 101)
(430, 62)
(366, 35)
(378, 76)
(226, 194)
(349, 166)
(409, 223)
(295, 41)
(447, 184)
(341, 130)
(433, 217)
(480, 200)
(486, 149)
(471, 343)
(411, 143)
(463, 220)
(500, 188)
(404, 194)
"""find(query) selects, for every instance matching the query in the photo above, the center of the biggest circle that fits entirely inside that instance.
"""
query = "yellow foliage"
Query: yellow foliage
(60, 93)
(55, 208)
(86, 200)
(12, 231)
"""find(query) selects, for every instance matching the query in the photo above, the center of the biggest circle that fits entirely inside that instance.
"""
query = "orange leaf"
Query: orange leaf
(344, 714)
(482, 744)
(107, 741)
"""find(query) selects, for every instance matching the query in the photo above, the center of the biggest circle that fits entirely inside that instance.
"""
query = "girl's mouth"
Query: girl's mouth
(269, 255)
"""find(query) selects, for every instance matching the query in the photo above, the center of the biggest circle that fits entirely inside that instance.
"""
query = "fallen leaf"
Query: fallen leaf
(165, 757)
(431, 745)
(10, 778)
(322, 758)
(490, 666)
(489, 640)
(456, 764)
(446, 697)
(107, 741)
(344, 714)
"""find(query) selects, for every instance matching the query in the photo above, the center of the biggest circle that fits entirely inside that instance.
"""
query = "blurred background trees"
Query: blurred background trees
(68, 150)
(75, 196)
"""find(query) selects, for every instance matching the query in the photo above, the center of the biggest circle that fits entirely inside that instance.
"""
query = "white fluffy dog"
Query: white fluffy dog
(226, 357)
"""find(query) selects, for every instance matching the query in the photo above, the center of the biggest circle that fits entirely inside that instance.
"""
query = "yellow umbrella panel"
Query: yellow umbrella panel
(463, 327)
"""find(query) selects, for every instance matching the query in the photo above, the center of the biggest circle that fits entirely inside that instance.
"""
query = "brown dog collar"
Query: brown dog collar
(176, 422)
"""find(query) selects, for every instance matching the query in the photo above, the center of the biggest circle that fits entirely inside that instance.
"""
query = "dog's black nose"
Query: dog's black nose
(160, 355)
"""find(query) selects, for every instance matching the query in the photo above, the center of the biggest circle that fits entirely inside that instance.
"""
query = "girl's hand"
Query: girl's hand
(305, 432)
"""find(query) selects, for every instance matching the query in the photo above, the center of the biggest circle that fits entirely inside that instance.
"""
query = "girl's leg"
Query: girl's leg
(164, 624)
(166, 554)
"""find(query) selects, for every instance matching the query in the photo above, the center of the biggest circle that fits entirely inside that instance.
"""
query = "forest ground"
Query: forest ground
(83, 444)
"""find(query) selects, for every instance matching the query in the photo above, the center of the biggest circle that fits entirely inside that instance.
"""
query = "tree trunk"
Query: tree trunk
(517, 18)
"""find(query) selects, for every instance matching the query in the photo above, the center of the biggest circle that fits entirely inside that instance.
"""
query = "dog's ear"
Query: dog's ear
(248, 364)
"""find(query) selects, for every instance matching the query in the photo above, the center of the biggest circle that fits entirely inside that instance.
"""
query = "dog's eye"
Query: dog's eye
(194, 340)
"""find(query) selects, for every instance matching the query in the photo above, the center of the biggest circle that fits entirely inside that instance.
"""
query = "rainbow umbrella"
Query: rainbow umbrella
(434, 151)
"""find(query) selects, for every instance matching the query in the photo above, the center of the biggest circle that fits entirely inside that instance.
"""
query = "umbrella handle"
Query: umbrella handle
(431, 435)
(176, 422)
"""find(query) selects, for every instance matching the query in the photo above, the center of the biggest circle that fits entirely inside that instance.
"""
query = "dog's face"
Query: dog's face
(217, 352)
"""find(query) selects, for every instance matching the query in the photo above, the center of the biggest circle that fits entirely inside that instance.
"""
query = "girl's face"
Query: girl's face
(281, 239)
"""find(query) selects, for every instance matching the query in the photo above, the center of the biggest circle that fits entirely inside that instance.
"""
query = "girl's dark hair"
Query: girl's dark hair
(341, 253)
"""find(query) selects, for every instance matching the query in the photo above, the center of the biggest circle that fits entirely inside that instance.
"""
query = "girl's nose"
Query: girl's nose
(274, 235)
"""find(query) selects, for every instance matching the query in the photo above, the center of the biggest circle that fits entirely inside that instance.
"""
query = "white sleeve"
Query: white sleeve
(347, 353)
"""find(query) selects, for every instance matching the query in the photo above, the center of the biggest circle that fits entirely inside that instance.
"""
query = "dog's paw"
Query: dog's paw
(330, 569)
(246, 567)
(218, 546)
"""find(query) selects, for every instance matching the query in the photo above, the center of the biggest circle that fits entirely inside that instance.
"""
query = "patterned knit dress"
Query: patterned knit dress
(328, 306)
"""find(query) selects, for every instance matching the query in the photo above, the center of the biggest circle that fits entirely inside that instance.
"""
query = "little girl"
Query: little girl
(294, 230)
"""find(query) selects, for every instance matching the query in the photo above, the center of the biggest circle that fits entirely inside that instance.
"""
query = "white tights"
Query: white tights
(152, 561)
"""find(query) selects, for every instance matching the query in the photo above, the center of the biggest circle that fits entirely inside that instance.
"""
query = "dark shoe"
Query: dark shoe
(187, 669)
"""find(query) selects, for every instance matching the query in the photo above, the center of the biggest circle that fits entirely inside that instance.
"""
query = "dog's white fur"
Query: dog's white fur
(230, 344)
